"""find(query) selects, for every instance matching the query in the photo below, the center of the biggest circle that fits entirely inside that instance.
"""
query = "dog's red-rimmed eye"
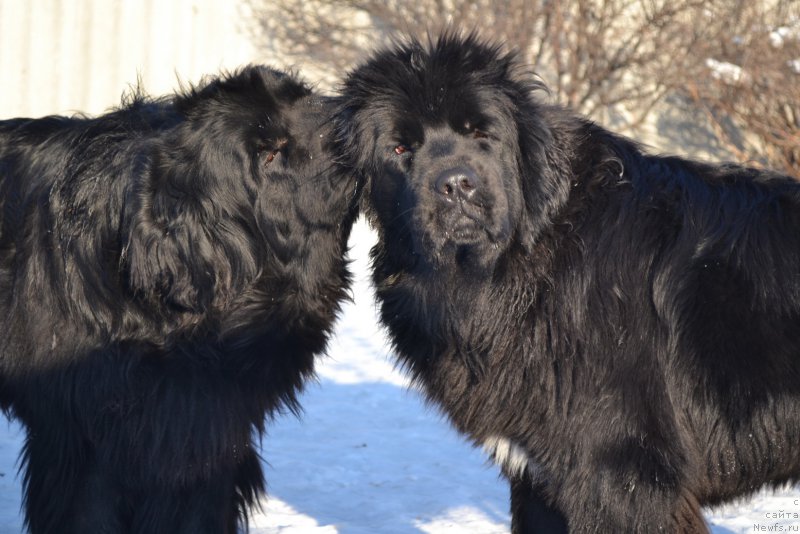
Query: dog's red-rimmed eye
(401, 149)
(271, 156)
(270, 150)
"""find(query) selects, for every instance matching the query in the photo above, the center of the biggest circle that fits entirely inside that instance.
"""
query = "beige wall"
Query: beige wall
(63, 56)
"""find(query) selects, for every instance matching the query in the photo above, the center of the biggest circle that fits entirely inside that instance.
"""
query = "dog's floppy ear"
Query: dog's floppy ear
(178, 247)
(166, 250)
(545, 187)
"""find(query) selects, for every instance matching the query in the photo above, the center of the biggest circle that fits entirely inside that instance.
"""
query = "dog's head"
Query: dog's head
(449, 140)
(238, 185)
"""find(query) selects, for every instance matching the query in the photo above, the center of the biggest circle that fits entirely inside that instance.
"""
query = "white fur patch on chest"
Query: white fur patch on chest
(508, 455)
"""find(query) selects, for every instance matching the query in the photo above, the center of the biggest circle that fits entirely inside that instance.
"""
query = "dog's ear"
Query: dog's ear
(347, 134)
(174, 250)
(161, 252)
(541, 161)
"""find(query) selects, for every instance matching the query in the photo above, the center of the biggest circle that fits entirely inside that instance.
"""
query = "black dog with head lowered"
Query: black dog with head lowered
(167, 273)
(620, 331)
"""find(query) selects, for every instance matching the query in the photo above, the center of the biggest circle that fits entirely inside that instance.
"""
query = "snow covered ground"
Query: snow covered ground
(369, 457)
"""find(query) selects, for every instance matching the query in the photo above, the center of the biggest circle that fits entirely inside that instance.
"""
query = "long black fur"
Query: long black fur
(167, 273)
(620, 330)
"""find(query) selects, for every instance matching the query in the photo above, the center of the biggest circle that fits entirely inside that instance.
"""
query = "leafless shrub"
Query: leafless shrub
(753, 78)
(595, 55)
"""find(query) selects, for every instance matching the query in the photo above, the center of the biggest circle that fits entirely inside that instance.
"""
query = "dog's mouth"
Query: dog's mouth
(465, 228)
(468, 234)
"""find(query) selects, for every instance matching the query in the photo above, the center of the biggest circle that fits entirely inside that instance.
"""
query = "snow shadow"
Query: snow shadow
(11, 438)
(370, 457)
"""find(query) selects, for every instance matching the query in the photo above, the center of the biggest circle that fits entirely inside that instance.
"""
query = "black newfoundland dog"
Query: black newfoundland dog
(621, 331)
(167, 273)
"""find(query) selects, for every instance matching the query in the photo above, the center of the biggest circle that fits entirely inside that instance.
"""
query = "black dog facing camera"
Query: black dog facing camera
(621, 331)
(167, 273)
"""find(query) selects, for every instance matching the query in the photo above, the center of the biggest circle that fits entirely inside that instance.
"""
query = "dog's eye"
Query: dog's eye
(402, 149)
(470, 128)
(269, 151)
(271, 156)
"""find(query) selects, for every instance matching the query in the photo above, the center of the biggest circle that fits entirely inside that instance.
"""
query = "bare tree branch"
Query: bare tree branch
(593, 54)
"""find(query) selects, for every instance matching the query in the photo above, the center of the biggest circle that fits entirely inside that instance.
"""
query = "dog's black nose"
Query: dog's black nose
(457, 181)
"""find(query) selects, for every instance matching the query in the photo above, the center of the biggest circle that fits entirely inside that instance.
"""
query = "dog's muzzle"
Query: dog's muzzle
(463, 204)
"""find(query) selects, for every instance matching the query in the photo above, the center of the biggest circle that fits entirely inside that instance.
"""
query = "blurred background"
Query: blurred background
(714, 79)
